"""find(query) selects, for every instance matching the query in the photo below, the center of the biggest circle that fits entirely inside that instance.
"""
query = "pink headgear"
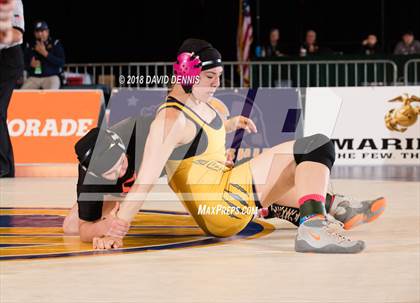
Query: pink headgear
(188, 66)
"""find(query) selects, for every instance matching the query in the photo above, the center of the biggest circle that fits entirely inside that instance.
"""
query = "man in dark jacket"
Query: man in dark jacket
(44, 60)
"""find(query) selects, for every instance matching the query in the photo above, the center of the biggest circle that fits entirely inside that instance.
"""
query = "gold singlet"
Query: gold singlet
(221, 199)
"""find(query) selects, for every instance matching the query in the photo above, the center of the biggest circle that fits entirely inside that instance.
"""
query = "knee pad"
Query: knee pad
(315, 148)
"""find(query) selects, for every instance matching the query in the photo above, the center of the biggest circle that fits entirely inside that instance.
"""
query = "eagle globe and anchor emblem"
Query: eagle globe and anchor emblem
(399, 119)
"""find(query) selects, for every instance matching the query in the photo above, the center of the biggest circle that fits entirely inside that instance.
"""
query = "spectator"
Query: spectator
(44, 60)
(370, 45)
(11, 70)
(310, 46)
(408, 46)
(273, 49)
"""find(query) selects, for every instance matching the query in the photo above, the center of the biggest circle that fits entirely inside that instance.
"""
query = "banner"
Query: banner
(45, 125)
(368, 125)
(276, 113)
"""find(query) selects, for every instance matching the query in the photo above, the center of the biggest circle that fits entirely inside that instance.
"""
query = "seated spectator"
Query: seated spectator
(370, 45)
(44, 60)
(273, 49)
(408, 46)
(310, 46)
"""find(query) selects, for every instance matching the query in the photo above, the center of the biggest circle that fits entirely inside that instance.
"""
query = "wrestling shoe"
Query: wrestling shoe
(325, 235)
(353, 213)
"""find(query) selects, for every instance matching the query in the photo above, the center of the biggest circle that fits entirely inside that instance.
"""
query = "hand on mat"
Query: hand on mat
(240, 122)
(107, 243)
(113, 226)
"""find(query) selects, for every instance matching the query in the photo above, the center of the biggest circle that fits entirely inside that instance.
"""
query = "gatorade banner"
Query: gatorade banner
(368, 125)
(45, 125)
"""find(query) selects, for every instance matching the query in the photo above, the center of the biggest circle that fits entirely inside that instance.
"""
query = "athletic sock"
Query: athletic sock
(329, 200)
(292, 214)
(311, 206)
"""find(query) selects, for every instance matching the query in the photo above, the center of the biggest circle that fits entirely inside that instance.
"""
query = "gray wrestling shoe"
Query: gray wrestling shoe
(353, 213)
(325, 236)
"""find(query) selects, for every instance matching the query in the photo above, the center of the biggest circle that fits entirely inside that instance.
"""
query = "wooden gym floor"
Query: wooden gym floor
(168, 259)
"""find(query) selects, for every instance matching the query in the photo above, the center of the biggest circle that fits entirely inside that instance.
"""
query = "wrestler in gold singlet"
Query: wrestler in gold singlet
(198, 175)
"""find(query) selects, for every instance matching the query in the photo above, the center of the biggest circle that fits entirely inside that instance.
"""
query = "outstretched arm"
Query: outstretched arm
(166, 132)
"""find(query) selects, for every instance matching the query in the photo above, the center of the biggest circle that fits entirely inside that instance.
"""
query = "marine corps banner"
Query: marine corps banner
(368, 125)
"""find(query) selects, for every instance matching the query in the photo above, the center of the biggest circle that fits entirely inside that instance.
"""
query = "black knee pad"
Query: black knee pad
(315, 148)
